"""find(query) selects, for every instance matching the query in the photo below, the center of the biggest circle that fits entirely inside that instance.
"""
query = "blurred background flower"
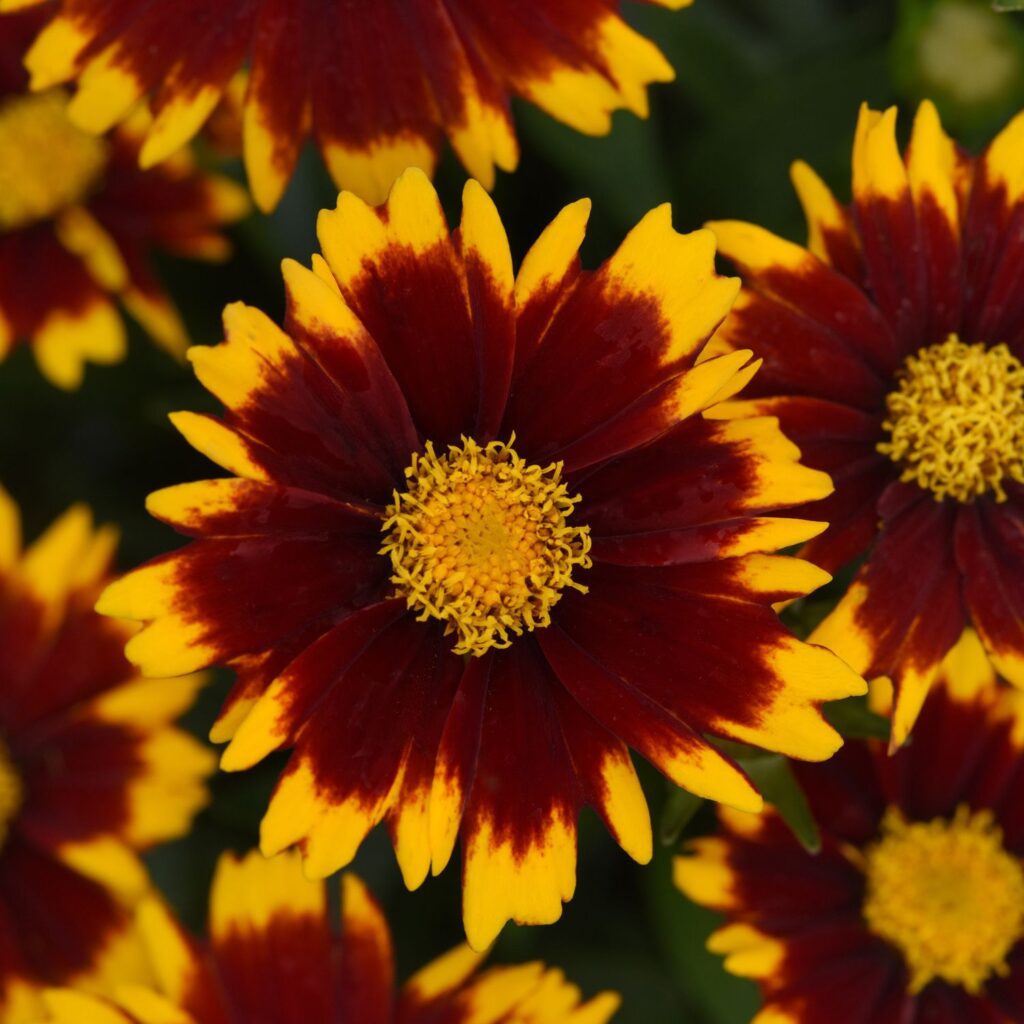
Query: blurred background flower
(258, 909)
(379, 87)
(913, 908)
(965, 55)
(79, 221)
(92, 768)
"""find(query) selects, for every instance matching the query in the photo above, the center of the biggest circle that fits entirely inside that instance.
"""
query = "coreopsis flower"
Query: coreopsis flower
(92, 769)
(914, 908)
(378, 86)
(78, 221)
(272, 954)
(893, 351)
(480, 539)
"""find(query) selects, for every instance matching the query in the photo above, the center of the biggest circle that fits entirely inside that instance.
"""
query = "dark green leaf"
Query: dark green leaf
(775, 779)
(712, 996)
(680, 807)
(855, 720)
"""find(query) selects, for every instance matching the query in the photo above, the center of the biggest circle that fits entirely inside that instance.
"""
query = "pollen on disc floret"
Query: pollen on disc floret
(482, 541)
(956, 420)
(947, 895)
(48, 164)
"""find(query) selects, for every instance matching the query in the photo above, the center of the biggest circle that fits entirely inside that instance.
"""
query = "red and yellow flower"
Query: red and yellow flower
(91, 768)
(378, 86)
(893, 352)
(914, 908)
(260, 908)
(480, 539)
(78, 220)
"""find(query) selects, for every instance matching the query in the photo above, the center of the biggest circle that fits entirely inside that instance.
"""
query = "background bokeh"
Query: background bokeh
(759, 83)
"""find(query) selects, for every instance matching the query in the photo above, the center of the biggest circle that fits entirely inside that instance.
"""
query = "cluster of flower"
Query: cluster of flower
(485, 532)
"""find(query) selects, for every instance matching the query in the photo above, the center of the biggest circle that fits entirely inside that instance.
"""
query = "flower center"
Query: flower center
(481, 540)
(956, 421)
(11, 792)
(48, 164)
(947, 895)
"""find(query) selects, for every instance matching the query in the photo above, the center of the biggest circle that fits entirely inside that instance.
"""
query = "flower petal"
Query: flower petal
(180, 965)
(457, 758)
(439, 979)
(67, 926)
(629, 327)
(802, 356)
(285, 706)
(840, 441)
(260, 908)
(277, 101)
(65, 1006)
(367, 143)
(933, 167)
(966, 712)
(840, 314)
(990, 553)
(766, 691)
(547, 277)
(886, 222)
(307, 434)
(607, 64)
(702, 472)
(94, 779)
(490, 282)
(671, 745)
(335, 790)
(662, 408)
(245, 508)
(519, 835)
(904, 610)
(605, 772)
(400, 273)
(831, 235)
(367, 981)
(282, 583)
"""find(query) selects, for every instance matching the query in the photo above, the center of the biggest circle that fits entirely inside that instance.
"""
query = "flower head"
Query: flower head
(480, 540)
(78, 220)
(91, 768)
(379, 86)
(914, 908)
(260, 907)
(894, 357)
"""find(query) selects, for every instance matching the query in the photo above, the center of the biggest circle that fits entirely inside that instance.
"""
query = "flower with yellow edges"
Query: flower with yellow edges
(273, 955)
(92, 770)
(377, 85)
(78, 221)
(893, 355)
(479, 540)
(913, 910)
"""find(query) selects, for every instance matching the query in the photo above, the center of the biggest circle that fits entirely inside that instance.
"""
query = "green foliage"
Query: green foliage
(680, 809)
(856, 721)
(774, 777)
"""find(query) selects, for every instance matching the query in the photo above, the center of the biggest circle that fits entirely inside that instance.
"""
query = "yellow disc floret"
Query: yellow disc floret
(956, 421)
(947, 895)
(10, 792)
(47, 163)
(481, 540)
